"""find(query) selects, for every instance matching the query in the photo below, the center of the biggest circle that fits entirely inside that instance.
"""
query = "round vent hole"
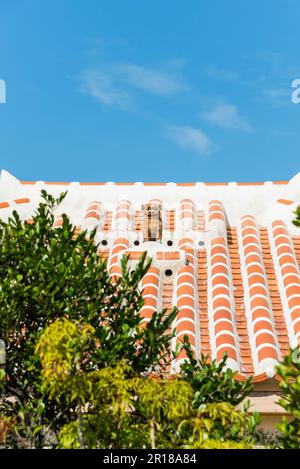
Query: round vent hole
(169, 242)
(168, 272)
(104, 242)
(136, 242)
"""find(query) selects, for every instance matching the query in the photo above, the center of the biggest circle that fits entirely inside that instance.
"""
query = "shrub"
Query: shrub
(212, 381)
(48, 274)
(289, 373)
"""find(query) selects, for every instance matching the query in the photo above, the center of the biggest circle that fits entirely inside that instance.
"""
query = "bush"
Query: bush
(211, 381)
(289, 373)
(116, 407)
(47, 274)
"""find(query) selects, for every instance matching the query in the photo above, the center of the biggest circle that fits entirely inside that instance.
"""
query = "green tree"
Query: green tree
(112, 407)
(213, 382)
(116, 407)
(219, 425)
(48, 273)
(296, 221)
(289, 374)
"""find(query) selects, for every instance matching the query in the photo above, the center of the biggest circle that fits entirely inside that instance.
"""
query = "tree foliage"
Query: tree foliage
(289, 374)
(212, 381)
(47, 274)
(116, 407)
(296, 221)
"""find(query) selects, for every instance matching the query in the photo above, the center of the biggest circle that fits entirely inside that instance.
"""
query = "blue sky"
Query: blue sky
(150, 90)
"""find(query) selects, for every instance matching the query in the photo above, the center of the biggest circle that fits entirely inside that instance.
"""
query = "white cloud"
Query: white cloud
(116, 84)
(101, 87)
(153, 81)
(189, 138)
(227, 116)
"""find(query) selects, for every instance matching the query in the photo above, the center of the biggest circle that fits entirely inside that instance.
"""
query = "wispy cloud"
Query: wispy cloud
(153, 81)
(266, 74)
(227, 116)
(190, 138)
(116, 84)
(101, 87)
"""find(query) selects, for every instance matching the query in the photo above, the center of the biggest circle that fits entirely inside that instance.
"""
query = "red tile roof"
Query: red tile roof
(228, 258)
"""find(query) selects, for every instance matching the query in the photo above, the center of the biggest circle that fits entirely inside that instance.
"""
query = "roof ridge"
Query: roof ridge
(180, 184)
